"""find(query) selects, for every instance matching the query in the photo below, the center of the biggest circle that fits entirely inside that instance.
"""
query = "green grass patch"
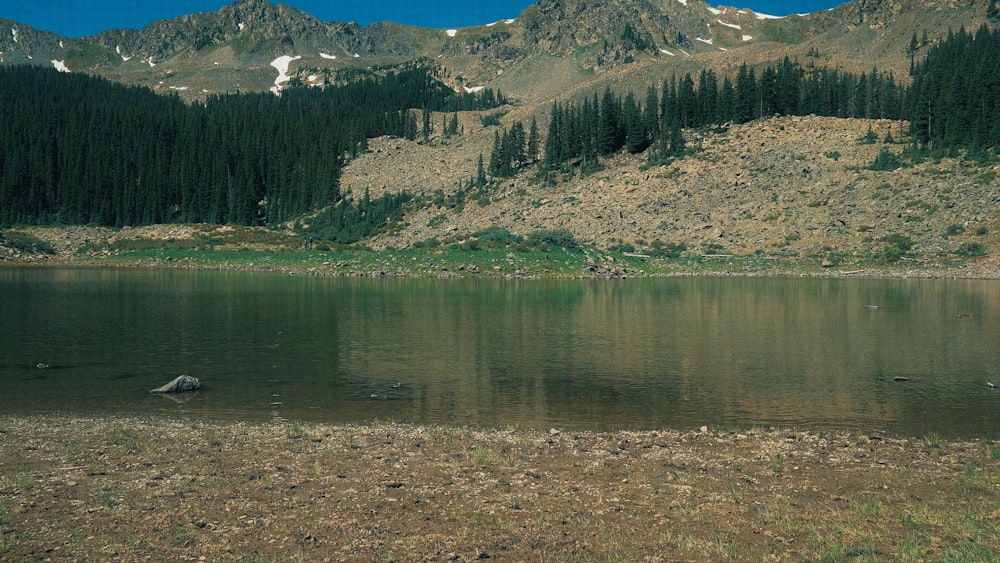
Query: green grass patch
(23, 242)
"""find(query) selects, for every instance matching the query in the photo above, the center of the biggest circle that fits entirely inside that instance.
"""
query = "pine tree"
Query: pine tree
(553, 145)
(428, 127)
(746, 94)
(708, 98)
(496, 155)
(533, 140)
(480, 173)
(635, 134)
(650, 113)
(608, 123)
(687, 102)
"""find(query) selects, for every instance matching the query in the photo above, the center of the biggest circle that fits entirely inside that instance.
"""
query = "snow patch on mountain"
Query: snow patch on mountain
(281, 63)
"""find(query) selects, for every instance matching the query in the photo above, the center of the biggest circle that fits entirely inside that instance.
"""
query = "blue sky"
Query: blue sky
(74, 18)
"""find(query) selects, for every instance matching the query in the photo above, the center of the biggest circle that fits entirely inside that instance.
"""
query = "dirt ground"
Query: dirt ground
(126, 489)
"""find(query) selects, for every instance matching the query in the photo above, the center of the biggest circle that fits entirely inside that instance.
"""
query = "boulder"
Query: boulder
(181, 384)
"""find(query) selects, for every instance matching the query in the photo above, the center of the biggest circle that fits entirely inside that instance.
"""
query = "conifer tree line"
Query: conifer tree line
(514, 149)
(583, 131)
(76, 149)
(954, 100)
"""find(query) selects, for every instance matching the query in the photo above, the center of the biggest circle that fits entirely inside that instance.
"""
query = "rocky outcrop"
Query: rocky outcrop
(180, 384)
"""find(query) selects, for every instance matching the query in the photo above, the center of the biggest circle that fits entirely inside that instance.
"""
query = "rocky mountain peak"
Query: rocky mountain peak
(579, 40)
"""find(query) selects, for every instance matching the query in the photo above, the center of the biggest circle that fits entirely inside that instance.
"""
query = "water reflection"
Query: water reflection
(580, 354)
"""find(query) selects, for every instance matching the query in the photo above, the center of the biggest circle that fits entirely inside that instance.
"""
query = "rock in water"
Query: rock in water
(182, 384)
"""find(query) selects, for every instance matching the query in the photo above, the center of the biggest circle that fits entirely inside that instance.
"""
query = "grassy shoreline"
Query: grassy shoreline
(505, 264)
(129, 489)
(254, 249)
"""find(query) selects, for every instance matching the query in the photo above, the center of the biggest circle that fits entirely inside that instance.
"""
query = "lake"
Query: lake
(905, 356)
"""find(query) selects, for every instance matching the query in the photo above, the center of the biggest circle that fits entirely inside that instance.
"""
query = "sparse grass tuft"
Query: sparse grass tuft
(931, 440)
(123, 438)
(294, 431)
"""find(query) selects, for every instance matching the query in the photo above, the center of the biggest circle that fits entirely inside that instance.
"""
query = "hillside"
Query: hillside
(788, 186)
(789, 190)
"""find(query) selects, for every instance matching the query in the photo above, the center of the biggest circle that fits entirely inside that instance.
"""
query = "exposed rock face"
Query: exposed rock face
(181, 384)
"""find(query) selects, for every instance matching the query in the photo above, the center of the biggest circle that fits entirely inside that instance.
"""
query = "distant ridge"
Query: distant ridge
(550, 46)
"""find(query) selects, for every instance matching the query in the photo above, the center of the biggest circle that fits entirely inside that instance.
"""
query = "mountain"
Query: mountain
(551, 47)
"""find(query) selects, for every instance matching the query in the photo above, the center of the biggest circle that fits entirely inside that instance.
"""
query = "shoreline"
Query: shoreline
(130, 489)
(223, 247)
(580, 266)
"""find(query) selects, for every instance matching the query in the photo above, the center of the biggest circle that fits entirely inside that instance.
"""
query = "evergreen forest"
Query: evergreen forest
(80, 150)
(603, 125)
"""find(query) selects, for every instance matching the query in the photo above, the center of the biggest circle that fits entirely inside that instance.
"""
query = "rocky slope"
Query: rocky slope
(787, 186)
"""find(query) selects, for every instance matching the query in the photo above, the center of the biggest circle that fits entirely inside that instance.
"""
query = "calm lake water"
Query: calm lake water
(603, 355)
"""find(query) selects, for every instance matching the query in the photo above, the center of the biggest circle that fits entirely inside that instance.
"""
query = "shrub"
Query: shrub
(886, 160)
(893, 254)
(561, 238)
(870, 138)
(971, 249)
(669, 250)
(498, 237)
(469, 245)
(492, 119)
(903, 242)
(954, 229)
(432, 242)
